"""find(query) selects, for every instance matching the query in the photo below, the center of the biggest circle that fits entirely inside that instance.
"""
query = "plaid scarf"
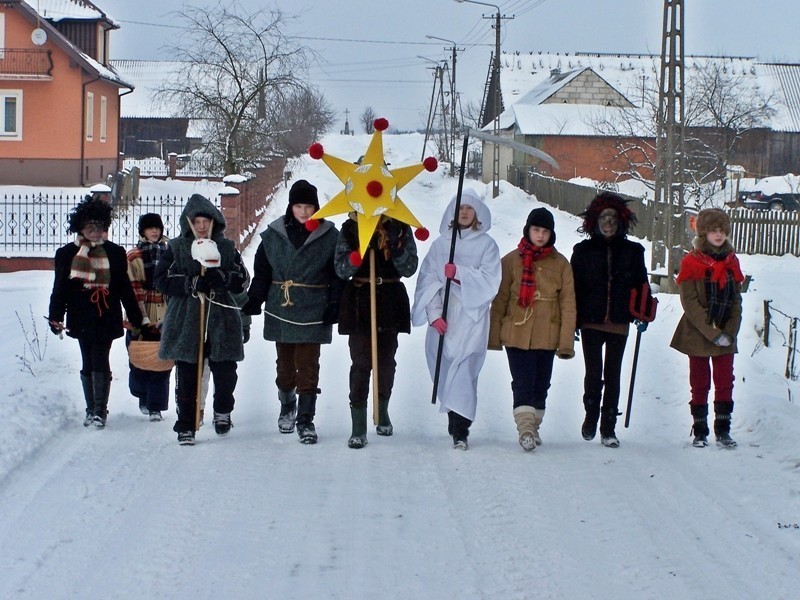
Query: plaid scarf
(90, 265)
(530, 253)
(150, 253)
(144, 289)
(720, 273)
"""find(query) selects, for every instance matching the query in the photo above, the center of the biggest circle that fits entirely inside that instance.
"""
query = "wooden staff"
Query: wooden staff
(373, 329)
(200, 348)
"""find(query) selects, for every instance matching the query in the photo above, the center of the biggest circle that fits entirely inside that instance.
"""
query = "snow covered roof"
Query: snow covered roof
(58, 10)
(531, 78)
(147, 77)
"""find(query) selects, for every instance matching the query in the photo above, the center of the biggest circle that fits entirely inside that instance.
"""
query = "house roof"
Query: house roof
(86, 62)
(61, 10)
(147, 77)
(527, 80)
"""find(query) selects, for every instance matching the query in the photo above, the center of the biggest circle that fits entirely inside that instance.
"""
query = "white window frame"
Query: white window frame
(89, 116)
(2, 33)
(10, 135)
(103, 118)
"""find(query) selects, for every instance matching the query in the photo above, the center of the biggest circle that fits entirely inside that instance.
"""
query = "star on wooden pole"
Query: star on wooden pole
(371, 188)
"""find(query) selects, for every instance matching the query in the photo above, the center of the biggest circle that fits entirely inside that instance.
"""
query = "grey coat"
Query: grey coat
(299, 287)
(174, 277)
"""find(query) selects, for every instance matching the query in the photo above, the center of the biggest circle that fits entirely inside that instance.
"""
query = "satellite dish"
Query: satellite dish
(38, 36)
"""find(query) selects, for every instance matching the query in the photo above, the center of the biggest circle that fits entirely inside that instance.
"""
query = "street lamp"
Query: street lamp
(453, 112)
(496, 78)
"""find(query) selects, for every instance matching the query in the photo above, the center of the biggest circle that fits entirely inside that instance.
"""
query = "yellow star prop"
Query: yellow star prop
(370, 187)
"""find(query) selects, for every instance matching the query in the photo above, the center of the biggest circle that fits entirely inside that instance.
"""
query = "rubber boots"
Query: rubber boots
(101, 386)
(306, 407)
(384, 426)
(88, 394)
(358, 439)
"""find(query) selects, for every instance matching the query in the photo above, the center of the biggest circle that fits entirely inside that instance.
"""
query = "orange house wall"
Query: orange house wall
(52, 110)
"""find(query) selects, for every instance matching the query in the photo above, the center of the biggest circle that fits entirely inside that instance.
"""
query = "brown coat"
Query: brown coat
(694, 335)
(550, 323)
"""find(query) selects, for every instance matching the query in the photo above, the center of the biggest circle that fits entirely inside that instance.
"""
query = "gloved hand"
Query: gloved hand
(723, 340)
(394, 231)
(331, 314)
(245, 335)
(440, 325)
(450, 271)
(641, 326)
(56, 327)
(213, 280)
(252, 307)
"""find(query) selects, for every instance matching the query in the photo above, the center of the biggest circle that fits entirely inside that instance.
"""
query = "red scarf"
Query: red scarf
(697, 265)
(530, 253)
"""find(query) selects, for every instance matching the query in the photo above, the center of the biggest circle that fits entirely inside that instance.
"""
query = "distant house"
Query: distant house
(557, 103)
(59, 96)
(149, 126)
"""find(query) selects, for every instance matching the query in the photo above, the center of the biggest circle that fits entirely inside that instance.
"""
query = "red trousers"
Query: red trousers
(700, 378)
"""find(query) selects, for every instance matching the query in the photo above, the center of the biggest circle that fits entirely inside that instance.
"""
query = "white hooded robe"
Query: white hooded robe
(477, 261)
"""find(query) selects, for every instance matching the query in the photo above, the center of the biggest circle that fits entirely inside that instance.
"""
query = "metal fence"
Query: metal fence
(38, 224)
(768, 232)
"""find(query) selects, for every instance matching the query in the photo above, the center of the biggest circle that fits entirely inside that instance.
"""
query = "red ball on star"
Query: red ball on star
(355, 258)
(422, 234)
(312, 224)
(375, 189)
(430, 164)
(381, 124)
(316, 151)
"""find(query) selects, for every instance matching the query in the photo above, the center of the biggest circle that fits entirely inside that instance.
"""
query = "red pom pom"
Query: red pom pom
(430, 164)
(422, 234)
(355, 258)
(375, 189)
(381, 124)
(312, 224)
(316, 151)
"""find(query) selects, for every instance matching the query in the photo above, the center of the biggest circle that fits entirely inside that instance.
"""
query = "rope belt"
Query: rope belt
(99, 298)
(286, 285)
(378, 280)
(529, 310)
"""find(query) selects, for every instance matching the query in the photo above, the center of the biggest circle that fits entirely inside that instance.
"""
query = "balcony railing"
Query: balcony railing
(25, 63)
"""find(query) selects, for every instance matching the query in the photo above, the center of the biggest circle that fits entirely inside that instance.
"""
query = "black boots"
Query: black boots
(722, 424)
(306, 407)
(288, 412)
(589, 427)
(700, 425)
(101, 387)
(88, 394)
(458, 427)
(384, 426)
(358, 439)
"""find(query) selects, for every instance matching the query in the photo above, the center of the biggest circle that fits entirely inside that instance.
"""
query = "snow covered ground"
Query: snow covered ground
(127, 513)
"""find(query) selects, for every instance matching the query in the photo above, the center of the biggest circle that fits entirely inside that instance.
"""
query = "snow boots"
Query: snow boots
(288, 414)
(101, 387)
(358, 439)
(525, 418)
(700, 425)
(589, 427)
(384, 426)
(722, 424)
(458, 427)
(538, 417)
(307, 402)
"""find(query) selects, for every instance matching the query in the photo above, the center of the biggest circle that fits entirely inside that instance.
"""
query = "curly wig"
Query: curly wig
(88, 211)
(601, 202)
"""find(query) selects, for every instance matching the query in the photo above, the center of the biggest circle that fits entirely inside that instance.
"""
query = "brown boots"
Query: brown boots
(528, 420)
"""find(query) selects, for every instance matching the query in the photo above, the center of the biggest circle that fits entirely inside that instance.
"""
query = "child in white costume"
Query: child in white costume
(475, 273)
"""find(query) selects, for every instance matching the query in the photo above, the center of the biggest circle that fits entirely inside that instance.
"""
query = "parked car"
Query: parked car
(760, 200)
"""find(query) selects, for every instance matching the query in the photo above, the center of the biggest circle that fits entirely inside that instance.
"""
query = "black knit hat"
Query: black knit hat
(148, 220)
(302, 192)
(541, 217)
(88, 211)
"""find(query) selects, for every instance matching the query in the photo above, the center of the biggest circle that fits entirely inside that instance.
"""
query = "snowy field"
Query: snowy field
(127, 513)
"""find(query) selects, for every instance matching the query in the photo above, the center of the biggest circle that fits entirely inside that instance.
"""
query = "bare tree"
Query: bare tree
(368, 119)
(300, 119)
(719, 109)
(237, 66)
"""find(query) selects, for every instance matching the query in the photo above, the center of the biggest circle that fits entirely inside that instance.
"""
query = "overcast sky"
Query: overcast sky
(370, 51)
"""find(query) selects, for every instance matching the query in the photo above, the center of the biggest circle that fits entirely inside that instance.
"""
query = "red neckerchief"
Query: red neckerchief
(698, 265)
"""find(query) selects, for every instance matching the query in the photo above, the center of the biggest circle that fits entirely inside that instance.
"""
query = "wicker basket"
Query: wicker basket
(144, 355)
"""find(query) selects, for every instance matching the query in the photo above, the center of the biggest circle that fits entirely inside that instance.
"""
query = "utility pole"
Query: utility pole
(497, 108)
(670, 155)
(453, 101)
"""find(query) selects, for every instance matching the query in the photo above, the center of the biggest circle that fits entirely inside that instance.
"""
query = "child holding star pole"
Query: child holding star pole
(374, 306)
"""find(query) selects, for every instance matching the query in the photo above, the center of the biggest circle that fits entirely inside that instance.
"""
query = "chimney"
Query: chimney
(555, 72)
